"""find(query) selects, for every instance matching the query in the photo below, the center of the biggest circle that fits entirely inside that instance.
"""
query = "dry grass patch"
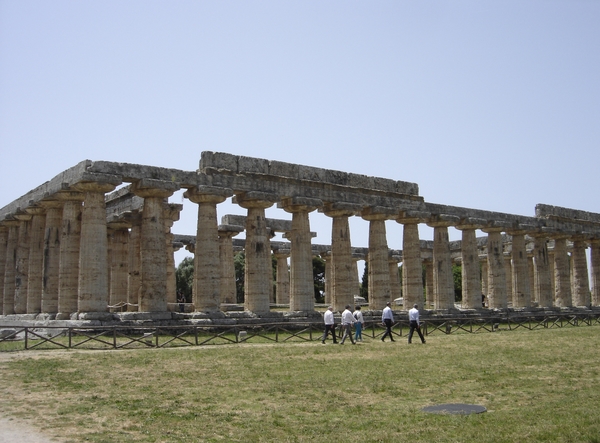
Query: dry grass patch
(539, 386)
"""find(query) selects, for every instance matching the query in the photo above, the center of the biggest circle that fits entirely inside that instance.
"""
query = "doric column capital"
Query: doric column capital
(374, 213)
(118, 224)
(229, 231)
(325, 255)
(171, 212)
(51, 204)
(255, 199)
(35, 210)
(69, 196)
(442, 221)
(150, 188)
(471, 223)
(413, 217)
(281, 253)
(301, 204)
(97, 183)
(208, 194)
(23, 217)
(356, 256)
(341, 209)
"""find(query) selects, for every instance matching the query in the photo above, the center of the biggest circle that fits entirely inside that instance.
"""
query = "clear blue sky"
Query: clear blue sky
(492, 105)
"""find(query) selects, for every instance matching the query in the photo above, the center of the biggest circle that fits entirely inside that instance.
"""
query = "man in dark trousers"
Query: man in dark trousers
(387, 319)
(329, 321)
(413, 318)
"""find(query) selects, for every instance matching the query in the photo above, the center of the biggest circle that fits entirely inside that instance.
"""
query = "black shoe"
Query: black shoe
(410, 342)
(323, 341)
(382, 339)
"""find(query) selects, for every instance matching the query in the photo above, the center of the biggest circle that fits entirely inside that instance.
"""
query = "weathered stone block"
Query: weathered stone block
(219, 161)
(250, 165)
(312, 174)
(281, 169)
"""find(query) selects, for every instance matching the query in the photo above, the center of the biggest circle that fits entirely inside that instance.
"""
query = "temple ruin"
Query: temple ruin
(99, 236)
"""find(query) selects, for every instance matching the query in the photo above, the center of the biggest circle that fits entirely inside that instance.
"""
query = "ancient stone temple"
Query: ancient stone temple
(99, 236)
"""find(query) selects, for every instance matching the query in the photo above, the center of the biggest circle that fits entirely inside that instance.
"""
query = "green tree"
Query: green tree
(319, 278)
(239, 263)
(364, 286)
(184, 278)
(457, 276)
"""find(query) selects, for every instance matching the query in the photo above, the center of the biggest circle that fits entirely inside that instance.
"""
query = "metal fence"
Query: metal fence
(16, 338)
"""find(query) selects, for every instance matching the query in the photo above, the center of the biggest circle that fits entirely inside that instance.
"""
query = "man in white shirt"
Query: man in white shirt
(413, 319)
(387, 319)
(347, 321)
(329, 324)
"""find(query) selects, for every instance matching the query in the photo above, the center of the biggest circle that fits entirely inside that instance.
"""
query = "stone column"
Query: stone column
(343, 281)
(562, 277)
(259, 274)
(283, 277)
(443, 280)
(119, 261)
(412, 267)
(395, 286)
(541, 263)
(520, 271)
(51, 265)
(551, 266)
(93, 257)
(134, 278)
(508, 274)
(380, 291)
(3, 244)
(70, 242)
(36, 260)
(171, 215)
(22, 263)
(326, 256)
(531, 270)
(496, 269)
(581, 283)
(153, 297)
(207, 269)
(595, 265)
(471, 280)
(228, 292)
(429, 285)
(302, 292)
(8, 307)
(484, 274)
(356, 257)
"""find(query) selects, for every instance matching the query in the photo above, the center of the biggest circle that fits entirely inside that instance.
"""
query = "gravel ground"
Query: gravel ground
(16, 431)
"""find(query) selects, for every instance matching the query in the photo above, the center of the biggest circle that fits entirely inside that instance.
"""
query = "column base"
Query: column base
(101, 316)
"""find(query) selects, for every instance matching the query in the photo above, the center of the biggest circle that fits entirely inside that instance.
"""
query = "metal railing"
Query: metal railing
(136, 337)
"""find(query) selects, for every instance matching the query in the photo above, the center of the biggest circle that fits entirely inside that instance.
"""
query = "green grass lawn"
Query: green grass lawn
(538, 386)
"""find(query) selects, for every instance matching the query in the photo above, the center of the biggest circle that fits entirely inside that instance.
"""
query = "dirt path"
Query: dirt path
(13, 430)
(16, 431)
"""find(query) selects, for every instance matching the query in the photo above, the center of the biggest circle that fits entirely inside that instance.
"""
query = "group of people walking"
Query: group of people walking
(355, 318)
